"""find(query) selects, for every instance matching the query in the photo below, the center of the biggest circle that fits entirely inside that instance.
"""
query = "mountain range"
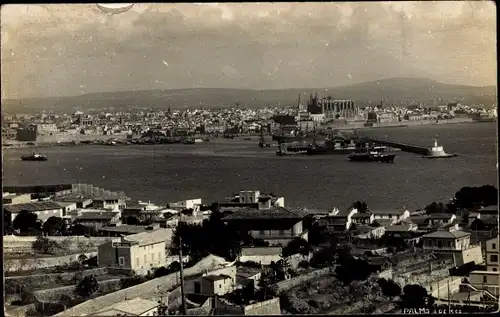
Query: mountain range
(392, 91)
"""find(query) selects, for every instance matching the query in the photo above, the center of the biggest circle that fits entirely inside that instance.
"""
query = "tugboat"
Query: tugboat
(34, 157)
(372, 156)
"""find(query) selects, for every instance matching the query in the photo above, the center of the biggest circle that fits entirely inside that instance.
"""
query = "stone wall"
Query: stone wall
(28, 264)
(473, 254)
(223, 307)
(54, 294)
(13, 243)
(269, 307)
(290, 283)
(441, 287)
(152, 289)
(52, 278)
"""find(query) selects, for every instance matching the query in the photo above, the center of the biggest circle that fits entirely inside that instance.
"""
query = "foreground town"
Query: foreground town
(76, 249)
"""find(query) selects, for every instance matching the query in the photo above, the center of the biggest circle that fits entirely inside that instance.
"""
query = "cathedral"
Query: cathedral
(332, 109)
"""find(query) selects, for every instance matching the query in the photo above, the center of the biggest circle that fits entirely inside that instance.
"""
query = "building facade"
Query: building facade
(492, 252)
(138, 253)
(331, 108)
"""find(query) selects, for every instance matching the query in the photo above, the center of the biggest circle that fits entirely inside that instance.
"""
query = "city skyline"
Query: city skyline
(65, 50)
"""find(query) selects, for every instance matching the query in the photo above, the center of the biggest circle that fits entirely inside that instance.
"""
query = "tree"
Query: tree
(435, 208)
(84, 246)
(414, 296)
(361, 206)
(389, 288)
(65, 300)
(26, 221)
(474, 197)
(54, 225)
(44, 245)
(297, 246)
(81, 230)
(87, 286)
(132, 220)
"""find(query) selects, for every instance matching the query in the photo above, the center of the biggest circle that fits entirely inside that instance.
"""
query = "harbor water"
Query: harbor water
(213, 170)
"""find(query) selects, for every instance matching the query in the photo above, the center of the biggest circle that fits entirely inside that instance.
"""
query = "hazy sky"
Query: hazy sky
(54, 50)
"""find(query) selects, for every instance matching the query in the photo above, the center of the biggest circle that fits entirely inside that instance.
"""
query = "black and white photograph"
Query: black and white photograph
(251, 158)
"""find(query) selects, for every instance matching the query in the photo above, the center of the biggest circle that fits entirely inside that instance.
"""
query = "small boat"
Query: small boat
(34, 157)
(372, 156)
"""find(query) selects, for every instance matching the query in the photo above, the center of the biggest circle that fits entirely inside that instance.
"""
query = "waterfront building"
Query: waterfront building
(331, 108)
(108, 202)
(338, 221)
(137, 253)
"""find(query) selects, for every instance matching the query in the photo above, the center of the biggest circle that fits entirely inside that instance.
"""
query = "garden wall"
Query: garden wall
(27, 264)
(53, 277)
(269, 307)
(290, 283)
(54, 294)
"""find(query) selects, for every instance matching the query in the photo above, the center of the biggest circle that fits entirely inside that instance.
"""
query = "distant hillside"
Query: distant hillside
(392, 91)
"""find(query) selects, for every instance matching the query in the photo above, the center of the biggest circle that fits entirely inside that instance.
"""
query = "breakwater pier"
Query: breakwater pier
(411, 148)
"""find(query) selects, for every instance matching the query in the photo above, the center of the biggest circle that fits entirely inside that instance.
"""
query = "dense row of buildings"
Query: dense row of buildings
(317, 111)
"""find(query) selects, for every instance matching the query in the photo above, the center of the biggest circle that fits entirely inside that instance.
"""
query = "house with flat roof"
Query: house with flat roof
(109, 202)
(132, 307)
(137, 253)
(276, 225)
(338, 221)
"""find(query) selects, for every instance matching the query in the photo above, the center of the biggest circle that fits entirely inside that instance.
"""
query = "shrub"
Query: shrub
(87, 286)
(304, 264)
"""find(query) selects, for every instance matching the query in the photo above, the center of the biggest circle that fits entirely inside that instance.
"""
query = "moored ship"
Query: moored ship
(372, 156)
(34, 157)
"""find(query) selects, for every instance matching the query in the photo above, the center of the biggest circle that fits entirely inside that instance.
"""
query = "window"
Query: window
(485, 279)
(440, 244)
(282, 232)
(137, 261)
(159, 256)
(494, 269)
(261, 232)
(494, 258)
(145, 258)
(494, 246)
(121, 261)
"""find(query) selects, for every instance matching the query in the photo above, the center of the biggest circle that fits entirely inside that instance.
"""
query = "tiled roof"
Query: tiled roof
(440, 216)
(398, 228)
(386, 212)
(260, 251)
(151, 237)
(361, 215)
(38, 206)
(447, 234)
(105, 215)
(125, 229)
(384, 222)
(272, 213)
(490, 208)
(136, 306)
(216, 277)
